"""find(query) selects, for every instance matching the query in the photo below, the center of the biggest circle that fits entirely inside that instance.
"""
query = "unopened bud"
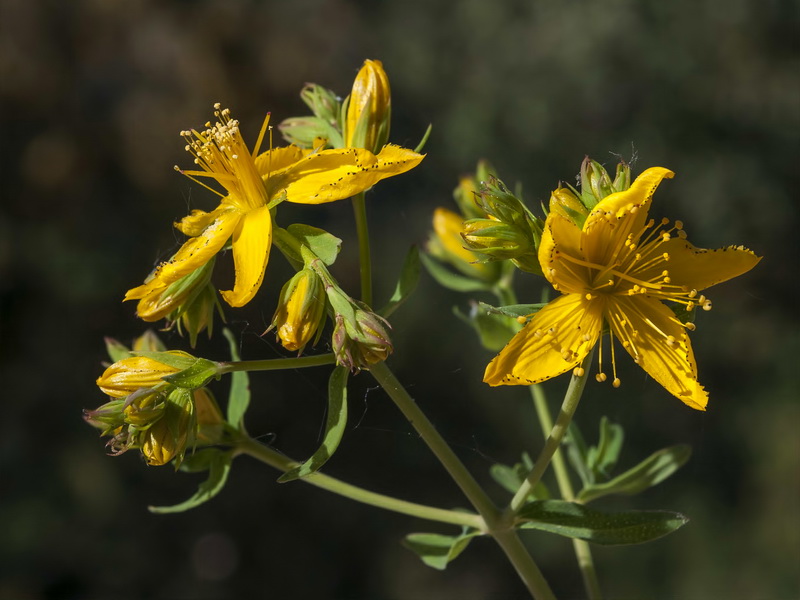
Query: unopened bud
(369, 109)
(596, 183)
(167, 438)
(132, 374)
(363, 342)
(564, 202)
(301, 310)
(323, 102)
(210, 422)
(447, 245)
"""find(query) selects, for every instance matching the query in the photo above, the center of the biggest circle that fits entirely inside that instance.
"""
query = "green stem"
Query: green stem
(274, 364)
(364, 256)
(583, 551)
(275, 459)
(557, 433)
(497, 524)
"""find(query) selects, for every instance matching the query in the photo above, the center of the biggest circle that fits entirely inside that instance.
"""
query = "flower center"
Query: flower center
(221, 153)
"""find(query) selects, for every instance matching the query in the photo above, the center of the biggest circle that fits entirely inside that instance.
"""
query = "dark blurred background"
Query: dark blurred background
(94, 93)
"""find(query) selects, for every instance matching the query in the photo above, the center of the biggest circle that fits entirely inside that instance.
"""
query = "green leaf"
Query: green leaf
(116, 350)
(194, 376)
(325, 245)
(494, 330)
(239, 396)
(651, 471)
(409, 277)
(334, 427)
(511, 478)
(438, 550)
(171, 359)
(450, 280)
(219, 465)
(513, 310)
(602, 459)
(578, 521)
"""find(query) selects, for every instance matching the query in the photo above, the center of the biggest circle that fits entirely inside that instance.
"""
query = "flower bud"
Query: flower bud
(447, 245)
(301, 310)
(323, 102)
(210, 422)
(148, 342)
(596, 183)
(510, 231)
(132, 374)
(368, 109)
(303, 131)
(564, 202)
(169, 436)
(362, 341)
(197, 315)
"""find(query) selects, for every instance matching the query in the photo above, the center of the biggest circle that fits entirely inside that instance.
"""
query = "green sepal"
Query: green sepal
(406, 284)
(195, 375)
(581, 522)
(602, 459)
(334, 427)
(450, 280)
(218, 464)
(325, 245)
(511, 478)
(438, 550)
(651, 471)
(303, 131)
(239, 395)
(116, 350)
(494, 330)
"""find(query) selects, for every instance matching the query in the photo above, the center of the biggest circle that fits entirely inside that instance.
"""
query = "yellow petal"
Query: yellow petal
(697, 268)
(341, 173)
(556, 340)
(194, 223)
(561, 236)
(194, 253)
(252, 241)
(277, 159)
(659, 344)
(608, 225)
(130, 374)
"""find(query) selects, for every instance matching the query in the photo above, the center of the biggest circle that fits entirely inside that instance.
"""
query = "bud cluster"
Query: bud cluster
(509, 231)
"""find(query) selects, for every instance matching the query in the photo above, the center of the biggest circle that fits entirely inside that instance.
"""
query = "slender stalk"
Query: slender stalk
(557, 432)
(274, 364)
(364, 256)
(497, 524)
(583, 551)
(271, 457)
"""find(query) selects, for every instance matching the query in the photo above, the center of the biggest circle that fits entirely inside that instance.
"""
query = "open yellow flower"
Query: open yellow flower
(254, 184)
(616, 270)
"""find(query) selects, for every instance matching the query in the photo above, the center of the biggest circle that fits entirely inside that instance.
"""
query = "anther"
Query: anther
(521, 319)
(600, 377)
(616, 383)
(690, 326)
(670, 340)
(578, 372)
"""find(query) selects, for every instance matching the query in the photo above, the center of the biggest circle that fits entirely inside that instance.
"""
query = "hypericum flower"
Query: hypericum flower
(369, 108)
(617, 270)
(254, 184)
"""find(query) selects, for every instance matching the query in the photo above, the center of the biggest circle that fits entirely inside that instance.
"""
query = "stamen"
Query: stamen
(616, 383)
(578, 372)
(600, 377)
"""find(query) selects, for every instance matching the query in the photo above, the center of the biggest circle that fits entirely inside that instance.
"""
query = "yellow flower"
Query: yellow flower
(616, 270)
(369, 108)
(447, 244)
(254, 184)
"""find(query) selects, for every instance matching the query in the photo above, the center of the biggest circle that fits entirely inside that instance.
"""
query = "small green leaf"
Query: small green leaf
(511, 478)
(450, 280)
(494, 330)
(334, 427)
(239, 396)
(219, 465)
(512, 310)
(602, 459)
(194, 376)
(116, 350)
(409, 277)
(578, 521)
(651, 471)
(171, 359)
(438, 550)
(325, 245)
